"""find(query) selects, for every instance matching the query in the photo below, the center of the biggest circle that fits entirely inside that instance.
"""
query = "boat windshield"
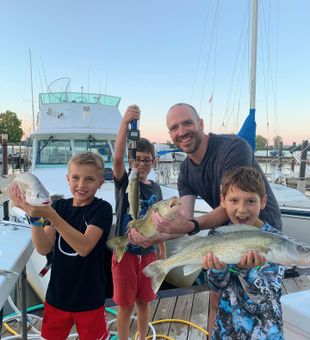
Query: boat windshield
(58, 152)
(78, 97)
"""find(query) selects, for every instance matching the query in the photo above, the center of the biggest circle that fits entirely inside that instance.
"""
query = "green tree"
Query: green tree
(261, 142)
(11, 125)
(276, 142)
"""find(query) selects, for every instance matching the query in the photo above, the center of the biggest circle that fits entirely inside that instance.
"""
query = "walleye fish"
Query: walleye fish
(229, 246)
(133, 191)
(34, 191)
(166, 208)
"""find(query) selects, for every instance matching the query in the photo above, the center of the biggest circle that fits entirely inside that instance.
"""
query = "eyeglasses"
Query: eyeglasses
(145, 161)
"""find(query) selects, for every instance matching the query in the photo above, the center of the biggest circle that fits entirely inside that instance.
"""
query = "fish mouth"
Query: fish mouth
(175, 202)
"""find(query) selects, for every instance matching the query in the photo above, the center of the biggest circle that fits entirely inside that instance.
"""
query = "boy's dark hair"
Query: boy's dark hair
(144, 145)
(243, 178)
(89, 158)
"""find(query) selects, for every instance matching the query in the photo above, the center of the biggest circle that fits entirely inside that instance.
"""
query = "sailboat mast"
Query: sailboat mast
(253, 54)
(32, 100)
(248, 129)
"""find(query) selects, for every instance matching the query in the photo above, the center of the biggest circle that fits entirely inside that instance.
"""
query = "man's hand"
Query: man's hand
(251, 259)
(136, 238)
(179, 225)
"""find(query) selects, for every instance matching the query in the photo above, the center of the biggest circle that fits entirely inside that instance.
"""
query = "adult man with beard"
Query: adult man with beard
(209, 156)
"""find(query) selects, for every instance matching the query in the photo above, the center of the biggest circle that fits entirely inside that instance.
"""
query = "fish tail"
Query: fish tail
(157, 273)
(118, 245)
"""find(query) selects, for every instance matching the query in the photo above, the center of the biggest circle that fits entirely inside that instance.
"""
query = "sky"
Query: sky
(158, 53)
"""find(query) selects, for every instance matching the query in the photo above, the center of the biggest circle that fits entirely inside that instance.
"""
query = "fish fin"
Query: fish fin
(118, 245)
(156, 273)
(235, 227)
(191, 268)
(183, 242)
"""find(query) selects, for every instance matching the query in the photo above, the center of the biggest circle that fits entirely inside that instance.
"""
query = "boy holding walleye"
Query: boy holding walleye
(249, 305)
(138, 287)
(77, 234)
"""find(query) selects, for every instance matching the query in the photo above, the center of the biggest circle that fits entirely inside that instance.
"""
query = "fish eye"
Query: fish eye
(38, 195)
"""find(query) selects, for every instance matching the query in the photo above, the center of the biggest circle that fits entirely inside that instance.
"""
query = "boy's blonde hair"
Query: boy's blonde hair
(243, 178)
(89, 158)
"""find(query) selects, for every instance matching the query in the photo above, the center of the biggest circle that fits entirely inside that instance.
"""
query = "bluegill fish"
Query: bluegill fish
(133, 191)
(35, 192)
(229, 247)
(166, 208)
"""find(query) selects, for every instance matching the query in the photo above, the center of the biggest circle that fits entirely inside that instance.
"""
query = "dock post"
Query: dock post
(301, 183)
(5, 171)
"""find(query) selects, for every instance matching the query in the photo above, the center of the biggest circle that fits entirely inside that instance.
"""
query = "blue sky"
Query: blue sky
(158, 53)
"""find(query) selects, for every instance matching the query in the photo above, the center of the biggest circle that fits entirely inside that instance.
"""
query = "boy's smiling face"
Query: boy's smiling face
(243, 207)
(84, 180)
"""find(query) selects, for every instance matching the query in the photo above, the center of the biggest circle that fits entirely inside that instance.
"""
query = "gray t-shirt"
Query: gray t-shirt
(224, 152)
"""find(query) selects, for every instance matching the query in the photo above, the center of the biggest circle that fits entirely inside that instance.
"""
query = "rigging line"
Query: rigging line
(211, 100)
(208, 57)
(244, 36)
(269, 70)
(200, 52)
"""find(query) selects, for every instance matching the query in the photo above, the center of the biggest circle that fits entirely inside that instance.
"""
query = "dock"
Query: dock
(188, 307)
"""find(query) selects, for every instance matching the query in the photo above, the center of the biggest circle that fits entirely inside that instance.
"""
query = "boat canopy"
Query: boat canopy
(78, 97)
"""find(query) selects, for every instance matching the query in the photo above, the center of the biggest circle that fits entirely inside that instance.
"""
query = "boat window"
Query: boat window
(99, 146)
(52, 151)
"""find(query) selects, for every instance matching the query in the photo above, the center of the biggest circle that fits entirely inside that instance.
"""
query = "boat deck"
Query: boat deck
(189, 305)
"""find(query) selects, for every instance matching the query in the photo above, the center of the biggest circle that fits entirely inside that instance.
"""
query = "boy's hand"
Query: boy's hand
(132, 113)
(211, 261)
(178, 225)
(251, 259)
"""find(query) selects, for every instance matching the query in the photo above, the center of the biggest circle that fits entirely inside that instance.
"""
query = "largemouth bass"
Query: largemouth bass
(35, 192)
(166, 208)
(133, 191)
(229, 247)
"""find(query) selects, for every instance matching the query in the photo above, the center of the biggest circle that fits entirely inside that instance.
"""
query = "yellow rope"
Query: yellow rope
(172, 320)
(11, 330)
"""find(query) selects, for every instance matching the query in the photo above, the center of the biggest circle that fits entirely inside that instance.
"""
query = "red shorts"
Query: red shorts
(90, 324)
(129, 282)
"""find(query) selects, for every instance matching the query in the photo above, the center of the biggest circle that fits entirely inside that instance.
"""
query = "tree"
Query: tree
(261, 142)
(11, 125)
(277, 141)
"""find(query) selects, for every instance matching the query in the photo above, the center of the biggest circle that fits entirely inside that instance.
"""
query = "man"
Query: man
(209, 157)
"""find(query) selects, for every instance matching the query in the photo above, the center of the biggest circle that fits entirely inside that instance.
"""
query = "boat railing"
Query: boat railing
(78, 97)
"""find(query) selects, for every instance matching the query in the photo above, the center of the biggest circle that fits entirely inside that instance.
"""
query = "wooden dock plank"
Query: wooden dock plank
(290, 285)
(165, 310)
(199, 315)
(182, 311)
